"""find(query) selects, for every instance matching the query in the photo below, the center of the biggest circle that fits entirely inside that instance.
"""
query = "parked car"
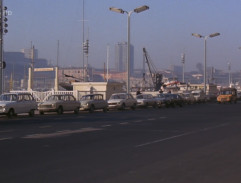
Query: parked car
(121, 101)
(199, 96)
(145, 100)
(167, 99)
(188, 98)
(161, 100)
(238, 95)
(15, 103)
(93, 102)
(177, 100)
(227, 95)
(59, 103)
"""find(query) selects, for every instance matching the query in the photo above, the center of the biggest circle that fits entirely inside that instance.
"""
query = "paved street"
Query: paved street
(197, 143)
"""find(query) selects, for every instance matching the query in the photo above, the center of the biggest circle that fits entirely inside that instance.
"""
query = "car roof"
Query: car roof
(119, 93)
(61, 95)
(17, 93)
(227, 89)
(92, 94)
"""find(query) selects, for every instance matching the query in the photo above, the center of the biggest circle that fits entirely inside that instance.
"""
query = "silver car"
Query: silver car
(15, 103)
(59, 103)
(145, 100)
(121, 101)
(93, 102)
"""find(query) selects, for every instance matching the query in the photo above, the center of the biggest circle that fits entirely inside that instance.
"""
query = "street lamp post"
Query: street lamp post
(229, 74)
(205, 53)
(137, 10)
(183, 67)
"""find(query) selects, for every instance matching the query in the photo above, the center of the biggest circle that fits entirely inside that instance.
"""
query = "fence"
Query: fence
(42, 96)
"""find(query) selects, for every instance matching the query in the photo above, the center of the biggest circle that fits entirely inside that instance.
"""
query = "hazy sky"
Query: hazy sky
(164, 30)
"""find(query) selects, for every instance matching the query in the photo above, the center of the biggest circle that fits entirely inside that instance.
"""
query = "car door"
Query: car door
(28, 104)
(20, 106)
(129, 100)
(73, 102)
(66, 103)
(99, 101)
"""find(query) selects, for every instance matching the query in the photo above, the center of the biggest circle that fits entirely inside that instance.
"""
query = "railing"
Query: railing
(42, 96)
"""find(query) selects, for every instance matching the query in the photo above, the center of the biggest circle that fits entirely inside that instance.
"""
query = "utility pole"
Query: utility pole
(3, 30)
(229, 74)
(1, 47)
(57, 59)
(83, 37)
(183, 67)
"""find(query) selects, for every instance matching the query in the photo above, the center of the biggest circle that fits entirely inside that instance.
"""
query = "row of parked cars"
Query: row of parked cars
(12, 104)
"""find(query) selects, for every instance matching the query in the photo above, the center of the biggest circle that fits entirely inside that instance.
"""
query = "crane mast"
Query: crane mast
(155, 76)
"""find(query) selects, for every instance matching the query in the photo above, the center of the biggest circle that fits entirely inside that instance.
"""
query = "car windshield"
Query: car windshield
(196, 94)
(55, 97)
(115, 97)
(8, 97)
(139, 97)
(87, 97)
(226, 92)
(160, 96)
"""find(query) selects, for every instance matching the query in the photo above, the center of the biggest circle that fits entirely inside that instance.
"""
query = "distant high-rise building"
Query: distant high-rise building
(121, 57)
(28, 53)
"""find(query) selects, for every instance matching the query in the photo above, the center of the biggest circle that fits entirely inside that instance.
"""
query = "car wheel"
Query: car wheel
(60, 110)
(146, 105)
(123, 106)
(41, 112)
(105, 109)
(92, 108)
(76, 111)
(10, 113)
(154, 105)
(31, 113)
(133, 107)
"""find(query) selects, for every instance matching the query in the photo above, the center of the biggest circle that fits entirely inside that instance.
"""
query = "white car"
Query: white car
(15, 103)
(59, 103)
(121, 101)
(93, 102)
(145, 100)
(199, 96)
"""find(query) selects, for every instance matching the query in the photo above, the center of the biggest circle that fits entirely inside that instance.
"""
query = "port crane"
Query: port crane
(156, 77)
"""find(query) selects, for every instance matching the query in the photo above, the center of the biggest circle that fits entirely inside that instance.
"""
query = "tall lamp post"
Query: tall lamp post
(229, 74)
(3, 30)
(137, 10)
(183, 67)
(205, 53)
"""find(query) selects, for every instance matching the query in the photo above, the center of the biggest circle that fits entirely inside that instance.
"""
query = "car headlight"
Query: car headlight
(53, 105)
(3, 108)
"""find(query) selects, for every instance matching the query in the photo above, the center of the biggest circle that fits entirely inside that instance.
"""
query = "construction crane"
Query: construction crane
(155, 76)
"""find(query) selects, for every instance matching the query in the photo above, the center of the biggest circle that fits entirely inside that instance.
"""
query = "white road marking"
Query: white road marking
(60, 133)
(163, 117)
(181, 135)
(151, 119)
(124, 123)
(161, 140)
(138, 121)
(6, 131)
(47, 126)
(105, 125)
(7, 138)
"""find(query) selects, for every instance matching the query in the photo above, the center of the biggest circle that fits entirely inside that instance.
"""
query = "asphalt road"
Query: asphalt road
(196, 143)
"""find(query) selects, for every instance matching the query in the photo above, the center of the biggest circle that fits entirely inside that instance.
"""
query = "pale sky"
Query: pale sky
(164, 30)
